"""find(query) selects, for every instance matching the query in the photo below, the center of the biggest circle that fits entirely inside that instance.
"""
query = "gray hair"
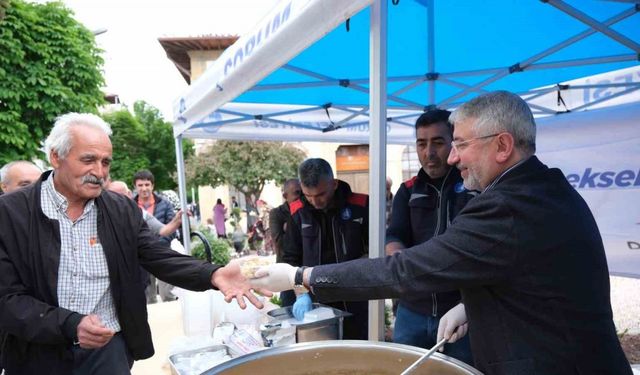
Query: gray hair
(500, 111)
(59, 140)
(4, 171)
(313, 171)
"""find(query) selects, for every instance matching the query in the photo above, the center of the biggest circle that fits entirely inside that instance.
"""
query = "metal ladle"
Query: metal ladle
(424, 357)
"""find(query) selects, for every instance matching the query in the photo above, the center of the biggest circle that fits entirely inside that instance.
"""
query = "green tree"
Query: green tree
(160, 149)
(144, 140)
(245, 165)
(128, 140)
(49, 65)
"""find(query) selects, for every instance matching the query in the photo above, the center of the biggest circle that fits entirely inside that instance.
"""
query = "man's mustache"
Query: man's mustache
(91, 179)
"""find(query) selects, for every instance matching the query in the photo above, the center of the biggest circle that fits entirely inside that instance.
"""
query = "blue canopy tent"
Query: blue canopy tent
(324, 70)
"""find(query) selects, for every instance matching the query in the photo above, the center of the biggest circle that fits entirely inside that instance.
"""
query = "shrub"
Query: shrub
(235, 216)
(276, 300)
(220, 248)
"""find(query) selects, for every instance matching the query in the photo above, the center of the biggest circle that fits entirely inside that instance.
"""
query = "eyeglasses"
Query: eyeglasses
(460, 145)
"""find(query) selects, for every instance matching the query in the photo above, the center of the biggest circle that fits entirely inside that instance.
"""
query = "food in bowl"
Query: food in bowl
(250, 265)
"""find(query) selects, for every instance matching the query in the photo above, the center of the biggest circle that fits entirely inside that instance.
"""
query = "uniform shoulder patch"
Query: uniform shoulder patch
(295, 206)
(409, 183)
(358, 199)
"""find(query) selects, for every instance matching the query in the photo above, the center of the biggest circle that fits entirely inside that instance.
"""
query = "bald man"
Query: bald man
(18, 174)
(119, 187)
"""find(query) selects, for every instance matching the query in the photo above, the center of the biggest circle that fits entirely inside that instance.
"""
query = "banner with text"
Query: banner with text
(599, 153)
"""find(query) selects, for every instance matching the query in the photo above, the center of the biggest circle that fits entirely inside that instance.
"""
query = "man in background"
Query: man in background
(151, 202)
(154, 224)
(278, 218)
(328, 224)
(423, 207)
(389, 201)
(161, 209)
(18, 174)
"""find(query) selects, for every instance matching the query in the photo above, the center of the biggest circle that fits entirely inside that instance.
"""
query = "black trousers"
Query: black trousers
(112, 359)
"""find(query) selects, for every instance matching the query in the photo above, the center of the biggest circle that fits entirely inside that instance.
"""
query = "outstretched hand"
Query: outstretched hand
(232, 284)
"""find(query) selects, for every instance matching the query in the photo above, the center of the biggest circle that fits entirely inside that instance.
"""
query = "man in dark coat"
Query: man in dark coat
(526, 255)
(71, 296)
(424, 207)
(278, 218)
(329, 224)
(16, 175)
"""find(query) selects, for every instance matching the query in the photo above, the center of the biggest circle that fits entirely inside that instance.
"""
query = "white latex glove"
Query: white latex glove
(275, 277)
(453, 325)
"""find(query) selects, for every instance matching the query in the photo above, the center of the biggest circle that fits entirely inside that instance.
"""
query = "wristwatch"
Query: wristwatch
(298, 285)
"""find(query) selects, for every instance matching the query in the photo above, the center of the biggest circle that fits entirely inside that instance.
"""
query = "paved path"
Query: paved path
(165, 320)
(625, 302)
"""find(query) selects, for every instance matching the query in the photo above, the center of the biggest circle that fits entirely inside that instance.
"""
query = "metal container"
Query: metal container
(173, 359)
(320, 330)
(343, 358)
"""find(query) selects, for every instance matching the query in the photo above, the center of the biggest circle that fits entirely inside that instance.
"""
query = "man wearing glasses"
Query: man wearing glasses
(525, 253)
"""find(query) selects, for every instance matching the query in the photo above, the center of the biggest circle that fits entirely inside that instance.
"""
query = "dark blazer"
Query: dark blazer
(529, 261)
(278, 218)
(37, 333)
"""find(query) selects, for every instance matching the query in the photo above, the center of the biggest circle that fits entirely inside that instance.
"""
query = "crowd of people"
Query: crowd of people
(486, 247)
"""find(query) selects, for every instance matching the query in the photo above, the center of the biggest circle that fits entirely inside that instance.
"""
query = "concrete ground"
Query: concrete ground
(165, 320)
(167, 330)
(625, 302)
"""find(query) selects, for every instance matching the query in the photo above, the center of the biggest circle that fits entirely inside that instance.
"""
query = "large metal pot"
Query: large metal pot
(341, 358)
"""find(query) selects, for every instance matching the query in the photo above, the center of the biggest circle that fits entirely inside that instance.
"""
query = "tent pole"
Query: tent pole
(182, 193)
(377, 150)
(431, 44)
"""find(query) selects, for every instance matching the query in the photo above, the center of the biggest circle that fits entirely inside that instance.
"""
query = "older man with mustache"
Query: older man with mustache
(71, 293)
